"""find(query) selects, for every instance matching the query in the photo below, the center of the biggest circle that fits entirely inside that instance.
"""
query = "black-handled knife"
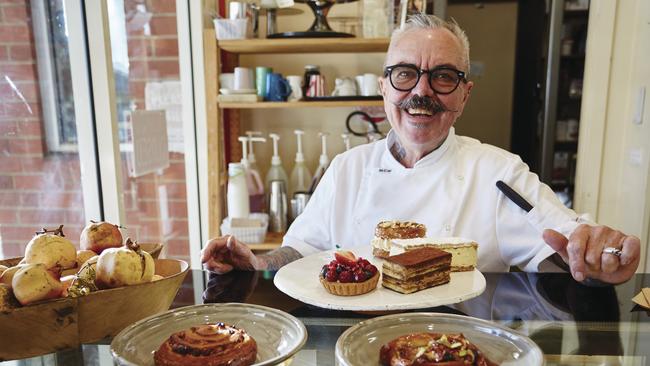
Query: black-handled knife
(514, 196)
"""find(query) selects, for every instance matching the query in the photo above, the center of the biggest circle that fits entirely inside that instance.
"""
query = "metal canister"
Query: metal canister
(278, 207)
(309, 71)
(298, 203)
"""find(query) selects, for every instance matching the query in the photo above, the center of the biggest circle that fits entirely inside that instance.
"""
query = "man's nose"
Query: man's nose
(423, 87)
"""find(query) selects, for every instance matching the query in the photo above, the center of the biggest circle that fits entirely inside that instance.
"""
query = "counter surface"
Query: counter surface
(573, 324)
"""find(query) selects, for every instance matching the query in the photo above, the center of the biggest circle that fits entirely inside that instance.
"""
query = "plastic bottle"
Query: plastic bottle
(254, 183)
(300, 175)
(323, 162)
(237, 193)
(276, 172)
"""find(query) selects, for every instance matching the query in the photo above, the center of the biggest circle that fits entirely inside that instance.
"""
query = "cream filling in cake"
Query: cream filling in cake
(383, 244)
(406, 287)
(464, 252)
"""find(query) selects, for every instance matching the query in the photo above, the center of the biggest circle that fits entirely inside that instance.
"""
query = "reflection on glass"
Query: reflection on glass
(39, 164)
(144, 45)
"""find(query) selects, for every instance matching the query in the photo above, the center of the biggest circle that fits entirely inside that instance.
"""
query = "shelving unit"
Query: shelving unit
(220, 114)
(300, 104)
(568, 99)
(304, 45)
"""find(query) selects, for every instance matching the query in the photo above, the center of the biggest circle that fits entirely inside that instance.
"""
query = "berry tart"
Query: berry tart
(348, 275)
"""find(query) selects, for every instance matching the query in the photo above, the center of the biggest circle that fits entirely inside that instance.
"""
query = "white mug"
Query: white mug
(359, 81)
(243, 78)
(344, 87)
(227, 80)
(296, 89)
(370, 85)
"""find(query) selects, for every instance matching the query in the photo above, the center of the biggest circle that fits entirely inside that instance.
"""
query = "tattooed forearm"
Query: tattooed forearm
(272, 261)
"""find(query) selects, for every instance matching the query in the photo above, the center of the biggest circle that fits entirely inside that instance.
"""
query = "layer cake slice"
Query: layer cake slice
(463, 251)
(386, 231)
(416, 270)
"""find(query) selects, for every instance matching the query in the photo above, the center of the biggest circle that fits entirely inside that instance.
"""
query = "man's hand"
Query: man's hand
(583, 252)
(222, 255)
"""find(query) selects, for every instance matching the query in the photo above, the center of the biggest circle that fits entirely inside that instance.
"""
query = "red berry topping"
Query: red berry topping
(331, 276)
(346, 276)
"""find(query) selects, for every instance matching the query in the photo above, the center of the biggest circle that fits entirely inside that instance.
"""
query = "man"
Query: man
(423, 172)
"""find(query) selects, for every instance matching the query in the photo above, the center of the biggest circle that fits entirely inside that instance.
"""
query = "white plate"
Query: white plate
(299, 279)
(360, 344)
(237, 91)
(278, 335)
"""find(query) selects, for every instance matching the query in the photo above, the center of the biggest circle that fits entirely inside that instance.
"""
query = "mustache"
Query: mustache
(424, 102)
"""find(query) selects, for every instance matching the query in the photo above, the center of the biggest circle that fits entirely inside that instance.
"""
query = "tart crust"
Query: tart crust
(351, 288)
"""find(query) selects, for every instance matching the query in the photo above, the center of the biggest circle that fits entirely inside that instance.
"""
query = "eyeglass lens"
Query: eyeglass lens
(404, 78)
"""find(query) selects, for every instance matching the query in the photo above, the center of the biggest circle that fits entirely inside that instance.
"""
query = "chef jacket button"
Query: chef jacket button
(460, 177)
(447, 227)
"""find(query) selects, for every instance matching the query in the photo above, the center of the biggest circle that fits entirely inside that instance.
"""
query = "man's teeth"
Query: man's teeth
(419, 111)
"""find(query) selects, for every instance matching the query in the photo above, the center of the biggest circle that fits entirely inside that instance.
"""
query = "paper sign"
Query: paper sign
(150, 148)
(167, 96)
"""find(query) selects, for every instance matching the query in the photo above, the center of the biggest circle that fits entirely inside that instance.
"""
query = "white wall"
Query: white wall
(612, 179)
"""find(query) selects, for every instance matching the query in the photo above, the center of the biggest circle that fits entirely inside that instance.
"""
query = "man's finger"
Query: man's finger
(557, 241)
(609, 263)
(630, 250)
(211, 248)
(217, 267)
(576, 251)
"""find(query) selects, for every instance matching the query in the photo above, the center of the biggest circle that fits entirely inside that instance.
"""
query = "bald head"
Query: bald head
(419, 22)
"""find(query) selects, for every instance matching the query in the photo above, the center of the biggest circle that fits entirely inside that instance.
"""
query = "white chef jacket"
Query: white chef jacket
(451, 190)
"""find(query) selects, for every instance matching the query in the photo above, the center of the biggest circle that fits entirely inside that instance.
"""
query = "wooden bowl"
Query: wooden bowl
(68, 322)
(152, 248)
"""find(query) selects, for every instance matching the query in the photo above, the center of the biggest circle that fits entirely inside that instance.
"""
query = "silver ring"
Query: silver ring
(611, 250)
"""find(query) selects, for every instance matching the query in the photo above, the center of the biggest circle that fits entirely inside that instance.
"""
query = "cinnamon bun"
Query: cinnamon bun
(207, 345)
(432, 349)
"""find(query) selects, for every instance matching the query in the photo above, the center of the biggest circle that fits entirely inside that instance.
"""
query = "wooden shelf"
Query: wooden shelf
(275, 105)
(305, 45)
(272, 241)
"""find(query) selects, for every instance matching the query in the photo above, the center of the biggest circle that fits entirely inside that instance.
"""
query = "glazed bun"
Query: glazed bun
(208, 345)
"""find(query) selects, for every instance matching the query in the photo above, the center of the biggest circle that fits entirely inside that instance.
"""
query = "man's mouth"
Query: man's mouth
(421, 106)
(419, 112)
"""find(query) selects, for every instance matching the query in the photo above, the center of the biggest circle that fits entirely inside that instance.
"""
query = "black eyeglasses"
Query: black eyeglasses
(443, 80)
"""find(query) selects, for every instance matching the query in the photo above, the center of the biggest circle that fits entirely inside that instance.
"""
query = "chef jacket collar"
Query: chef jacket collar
(431, 158)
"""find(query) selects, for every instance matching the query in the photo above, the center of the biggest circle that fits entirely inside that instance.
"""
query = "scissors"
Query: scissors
(371, 134)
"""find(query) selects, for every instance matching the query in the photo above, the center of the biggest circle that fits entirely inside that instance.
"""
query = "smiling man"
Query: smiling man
(424, 172)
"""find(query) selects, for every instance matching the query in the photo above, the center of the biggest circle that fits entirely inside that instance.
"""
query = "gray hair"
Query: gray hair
(425, 21)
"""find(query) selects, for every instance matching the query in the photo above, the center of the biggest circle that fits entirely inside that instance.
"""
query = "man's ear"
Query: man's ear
(469, 87)
(382, 86)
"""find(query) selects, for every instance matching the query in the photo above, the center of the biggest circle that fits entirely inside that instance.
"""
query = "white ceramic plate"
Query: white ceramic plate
(360, 344)
(299, 279)
(278, 335)
(237, 91)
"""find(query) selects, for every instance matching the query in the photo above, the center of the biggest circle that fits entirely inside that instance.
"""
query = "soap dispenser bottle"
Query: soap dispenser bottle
(323, 162)
(253, 181)
(300, 175)
(252, 162)
(276, 171)
(346, 140)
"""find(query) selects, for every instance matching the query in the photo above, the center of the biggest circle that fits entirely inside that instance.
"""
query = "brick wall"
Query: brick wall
(39, 188)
